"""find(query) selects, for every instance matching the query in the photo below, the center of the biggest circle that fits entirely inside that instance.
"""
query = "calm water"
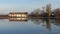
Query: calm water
(32, 26)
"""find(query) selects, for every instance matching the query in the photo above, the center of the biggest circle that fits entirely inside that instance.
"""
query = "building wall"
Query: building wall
(18, 16)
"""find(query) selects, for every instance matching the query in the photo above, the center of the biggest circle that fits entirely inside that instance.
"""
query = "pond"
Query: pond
(32, 26)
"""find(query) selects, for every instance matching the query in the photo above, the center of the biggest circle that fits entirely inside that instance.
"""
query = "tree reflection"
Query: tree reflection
(48, 24)
(37, 21)
(43, 21)
(57, 22)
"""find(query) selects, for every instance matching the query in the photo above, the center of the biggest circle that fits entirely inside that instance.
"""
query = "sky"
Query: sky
(7, 6)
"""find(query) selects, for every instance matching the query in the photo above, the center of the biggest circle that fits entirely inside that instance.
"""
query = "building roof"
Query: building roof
(18, 12)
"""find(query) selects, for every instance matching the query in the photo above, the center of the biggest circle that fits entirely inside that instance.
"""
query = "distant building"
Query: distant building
(18, 16)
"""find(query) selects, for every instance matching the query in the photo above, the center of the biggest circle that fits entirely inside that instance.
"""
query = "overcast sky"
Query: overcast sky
(25, 5)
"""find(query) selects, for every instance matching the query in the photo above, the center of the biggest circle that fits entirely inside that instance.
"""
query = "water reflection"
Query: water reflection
(34, 26)
(46, 22)
(37, 21)
(57, 22)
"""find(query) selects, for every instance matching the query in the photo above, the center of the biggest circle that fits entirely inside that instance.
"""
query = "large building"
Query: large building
(18, 16)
